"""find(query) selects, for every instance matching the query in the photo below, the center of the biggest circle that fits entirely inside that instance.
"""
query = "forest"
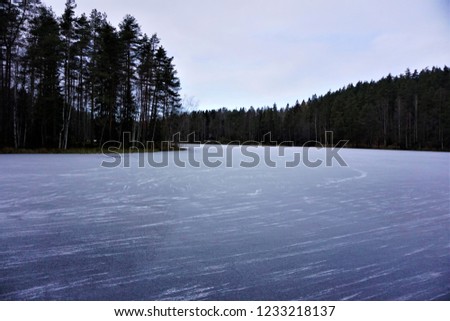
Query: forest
(78, 81)
(410, 111)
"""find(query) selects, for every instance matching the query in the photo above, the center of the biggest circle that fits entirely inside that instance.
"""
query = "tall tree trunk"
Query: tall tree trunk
(416, 116)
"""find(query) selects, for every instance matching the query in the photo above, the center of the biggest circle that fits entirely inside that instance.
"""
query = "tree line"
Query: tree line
(410, 111)
(79, 81)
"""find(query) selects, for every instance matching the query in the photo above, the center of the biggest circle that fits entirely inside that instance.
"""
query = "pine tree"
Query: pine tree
(129, 37)
(14, 18)
(106, 82)
(44, 57)
(68, 34)
(146, 83)
(83, 49)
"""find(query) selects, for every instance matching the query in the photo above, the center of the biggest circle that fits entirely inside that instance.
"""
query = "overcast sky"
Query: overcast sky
(242, 53)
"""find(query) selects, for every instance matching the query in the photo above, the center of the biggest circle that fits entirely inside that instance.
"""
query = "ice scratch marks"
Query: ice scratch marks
(256, 193)
(189, 293)
(417, 251)
(181, 234)
(352, 296)
(336, 182)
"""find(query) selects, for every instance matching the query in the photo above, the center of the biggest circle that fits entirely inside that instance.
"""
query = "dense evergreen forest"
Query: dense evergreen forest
(410, 111)
(78, 81)
(73, 81)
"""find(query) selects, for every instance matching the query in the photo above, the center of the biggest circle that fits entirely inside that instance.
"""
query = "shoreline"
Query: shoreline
(92, 151)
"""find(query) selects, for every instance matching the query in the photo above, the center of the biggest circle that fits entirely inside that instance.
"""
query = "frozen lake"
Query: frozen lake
(378, 229)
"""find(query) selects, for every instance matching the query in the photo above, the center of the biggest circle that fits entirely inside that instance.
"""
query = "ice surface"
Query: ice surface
(378, 229)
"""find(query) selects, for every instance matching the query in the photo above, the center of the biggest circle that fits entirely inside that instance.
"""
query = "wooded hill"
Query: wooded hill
(410, 111)
(78, 82)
